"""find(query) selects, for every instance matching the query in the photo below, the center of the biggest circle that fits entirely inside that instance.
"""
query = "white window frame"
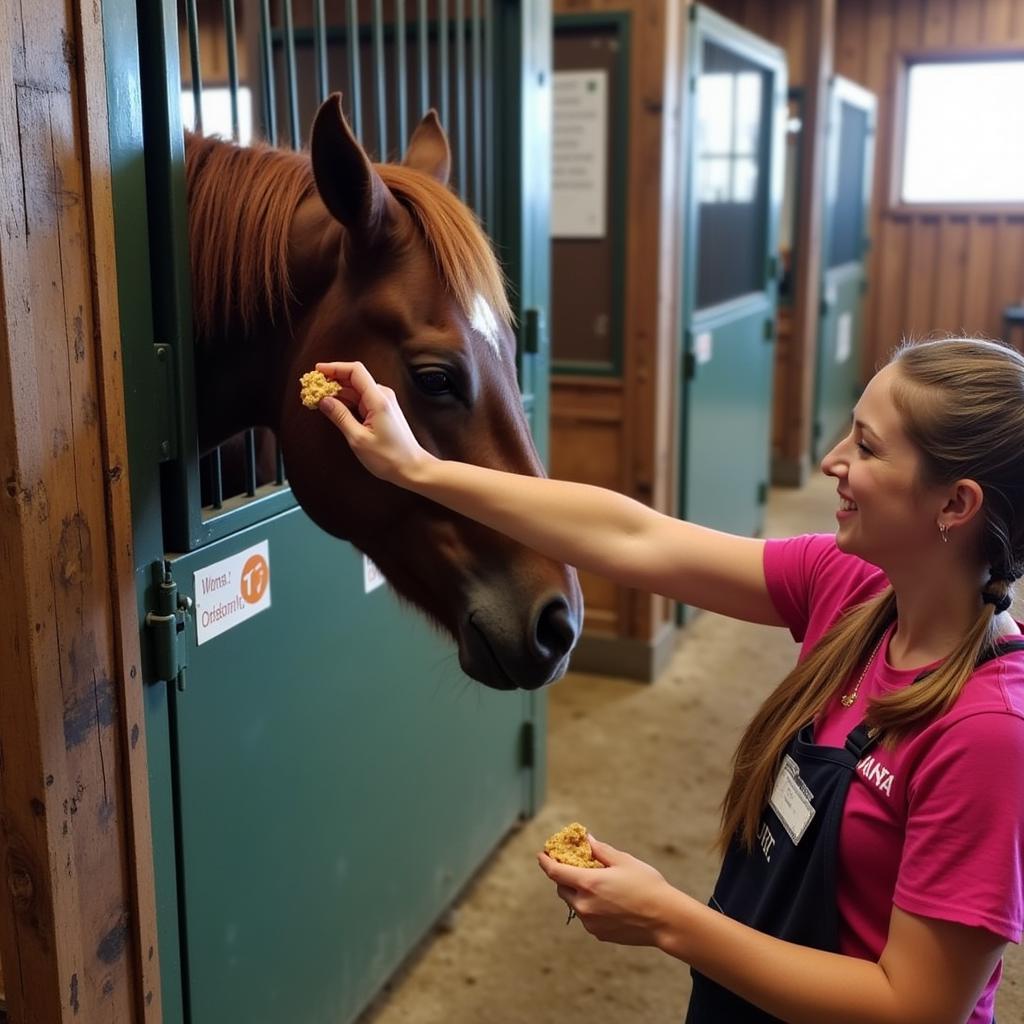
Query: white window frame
(904, 62)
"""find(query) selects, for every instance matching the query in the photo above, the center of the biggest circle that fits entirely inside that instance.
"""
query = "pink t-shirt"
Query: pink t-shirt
(936, 825)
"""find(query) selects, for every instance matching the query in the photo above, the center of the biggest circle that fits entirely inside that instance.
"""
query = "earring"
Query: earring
(944, 532)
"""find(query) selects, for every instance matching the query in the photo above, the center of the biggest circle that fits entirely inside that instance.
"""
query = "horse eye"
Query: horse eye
(434, 382)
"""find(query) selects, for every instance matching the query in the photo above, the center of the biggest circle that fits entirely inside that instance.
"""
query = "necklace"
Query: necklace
(847, 699)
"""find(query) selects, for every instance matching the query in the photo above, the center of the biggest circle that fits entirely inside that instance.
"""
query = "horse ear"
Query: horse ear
(428, 149)
(348, 185)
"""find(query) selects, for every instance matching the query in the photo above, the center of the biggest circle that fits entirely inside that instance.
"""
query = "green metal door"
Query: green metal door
(735, 145)
(850, 161)
(324, 780)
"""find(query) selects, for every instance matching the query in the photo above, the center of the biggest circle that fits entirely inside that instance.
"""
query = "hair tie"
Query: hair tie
(1001, 603)
(1010, 574)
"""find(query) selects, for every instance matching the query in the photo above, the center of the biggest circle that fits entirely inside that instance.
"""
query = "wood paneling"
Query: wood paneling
(619, 432)
(934, 272)
(74, 848)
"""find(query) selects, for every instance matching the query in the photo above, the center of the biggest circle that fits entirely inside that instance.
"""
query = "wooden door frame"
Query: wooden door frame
(77, 928)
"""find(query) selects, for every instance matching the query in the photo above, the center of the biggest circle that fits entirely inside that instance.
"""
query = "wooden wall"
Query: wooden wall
(618, 431)
(77, 922)
(940, 271)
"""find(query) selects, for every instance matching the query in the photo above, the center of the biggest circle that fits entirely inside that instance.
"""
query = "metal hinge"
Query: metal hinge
(762, 493)
(527, 745)
(164, 624)
(769, 329)
(531, 331)
(689, 365)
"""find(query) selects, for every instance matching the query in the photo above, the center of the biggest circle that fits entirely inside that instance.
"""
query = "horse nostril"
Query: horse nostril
(555, 630)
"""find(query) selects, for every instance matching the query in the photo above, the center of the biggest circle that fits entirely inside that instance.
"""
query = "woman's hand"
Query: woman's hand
(627, 901)
(379, 435)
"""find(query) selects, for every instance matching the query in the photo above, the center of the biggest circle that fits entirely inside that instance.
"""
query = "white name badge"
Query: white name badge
(791, 800)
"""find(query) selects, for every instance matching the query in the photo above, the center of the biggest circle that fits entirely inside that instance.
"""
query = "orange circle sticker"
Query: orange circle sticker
(255, 578)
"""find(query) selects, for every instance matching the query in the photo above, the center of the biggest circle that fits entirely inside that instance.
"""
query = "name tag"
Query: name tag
(791, 800)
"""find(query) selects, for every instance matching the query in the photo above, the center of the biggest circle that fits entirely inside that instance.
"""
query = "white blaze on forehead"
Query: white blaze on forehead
(483, 321)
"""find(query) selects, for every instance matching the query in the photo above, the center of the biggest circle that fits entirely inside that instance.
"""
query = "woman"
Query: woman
(873, 830)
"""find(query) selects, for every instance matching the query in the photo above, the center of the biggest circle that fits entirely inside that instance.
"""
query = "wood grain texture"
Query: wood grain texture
(959, 268)
(639, 447)
(70, 910)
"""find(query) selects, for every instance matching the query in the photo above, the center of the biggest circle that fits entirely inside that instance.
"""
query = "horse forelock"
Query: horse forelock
(462, 254)
(242, 200)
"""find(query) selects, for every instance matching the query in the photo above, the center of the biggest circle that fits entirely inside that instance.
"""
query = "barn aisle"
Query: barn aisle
(644, 767)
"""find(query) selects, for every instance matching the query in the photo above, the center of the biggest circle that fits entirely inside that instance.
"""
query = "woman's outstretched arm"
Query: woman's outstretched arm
(592, 528)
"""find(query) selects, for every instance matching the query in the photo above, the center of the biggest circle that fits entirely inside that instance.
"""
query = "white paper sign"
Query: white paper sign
(232, 590)
(844, 337)
(372, 576)
(580, 154)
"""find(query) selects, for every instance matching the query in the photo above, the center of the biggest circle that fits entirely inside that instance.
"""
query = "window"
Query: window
(964, 132)
(217, 112)
(733, 94)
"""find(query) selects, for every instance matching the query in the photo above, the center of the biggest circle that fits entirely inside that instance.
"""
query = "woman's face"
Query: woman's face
(886, 515)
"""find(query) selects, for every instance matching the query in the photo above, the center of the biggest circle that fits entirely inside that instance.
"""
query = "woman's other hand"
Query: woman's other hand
(628, 901)
(369, 417)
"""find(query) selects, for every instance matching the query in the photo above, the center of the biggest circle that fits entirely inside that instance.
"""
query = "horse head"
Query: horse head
(387, 266)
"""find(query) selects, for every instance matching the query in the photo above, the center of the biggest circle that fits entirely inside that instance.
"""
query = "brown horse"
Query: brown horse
(304, 258)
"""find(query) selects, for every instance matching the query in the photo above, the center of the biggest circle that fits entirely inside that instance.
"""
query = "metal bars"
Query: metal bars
(400, 74)
(193, 59)
(231, 38)
(320, 45)
(421, 34)
(355, 78)
(380, 93)
(267, 61)
(476, 43)
(442, 59)
(289, 63)
(403, 57)
(460, 94)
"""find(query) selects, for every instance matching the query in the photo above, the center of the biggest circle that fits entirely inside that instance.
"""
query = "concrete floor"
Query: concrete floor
(644, 767)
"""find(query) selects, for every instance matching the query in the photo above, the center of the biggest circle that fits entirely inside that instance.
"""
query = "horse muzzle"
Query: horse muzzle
(505, 652)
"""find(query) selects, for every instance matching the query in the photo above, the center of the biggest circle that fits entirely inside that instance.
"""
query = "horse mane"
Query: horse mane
(241, 201)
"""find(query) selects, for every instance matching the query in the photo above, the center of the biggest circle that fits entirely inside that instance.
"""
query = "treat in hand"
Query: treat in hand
(316, 386)
(571, 846)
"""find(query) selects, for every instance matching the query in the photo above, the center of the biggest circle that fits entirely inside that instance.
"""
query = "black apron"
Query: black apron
(786, 886)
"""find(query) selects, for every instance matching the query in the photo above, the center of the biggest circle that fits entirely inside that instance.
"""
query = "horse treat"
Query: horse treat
(570, 846)
(316, 386)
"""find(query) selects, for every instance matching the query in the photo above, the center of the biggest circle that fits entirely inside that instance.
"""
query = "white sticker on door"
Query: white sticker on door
(232, 590)
(372, 576)
(702, 348)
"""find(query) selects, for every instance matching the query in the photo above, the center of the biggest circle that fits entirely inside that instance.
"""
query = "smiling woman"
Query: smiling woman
(898, 737)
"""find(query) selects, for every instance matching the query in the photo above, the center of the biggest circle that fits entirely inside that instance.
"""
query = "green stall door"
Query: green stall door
(323, 779)
(839, 373)
(735, 152)
(338, 780)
